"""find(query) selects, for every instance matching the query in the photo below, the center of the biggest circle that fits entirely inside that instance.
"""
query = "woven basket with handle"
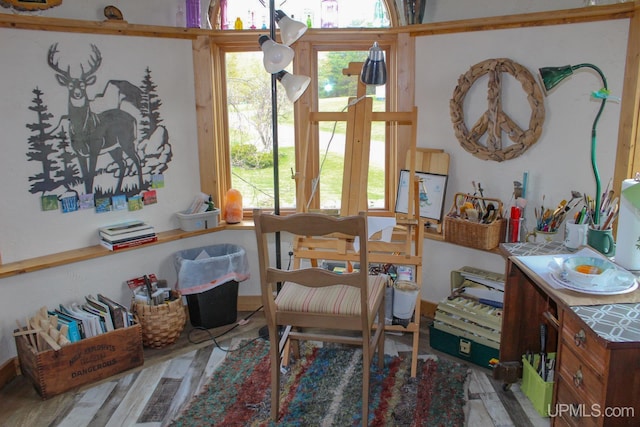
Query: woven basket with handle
(161, 324)
(474, 234)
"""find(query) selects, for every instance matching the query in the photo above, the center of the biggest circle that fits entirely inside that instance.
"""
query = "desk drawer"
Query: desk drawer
(583, 341)
(581, 378)
(570, 409)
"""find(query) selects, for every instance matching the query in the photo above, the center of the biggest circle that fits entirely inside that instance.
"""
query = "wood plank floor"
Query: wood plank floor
(153, 394)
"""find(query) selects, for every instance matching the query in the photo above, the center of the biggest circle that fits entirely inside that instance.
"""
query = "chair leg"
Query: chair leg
(274, 355)
(380, 342)
(366, 370)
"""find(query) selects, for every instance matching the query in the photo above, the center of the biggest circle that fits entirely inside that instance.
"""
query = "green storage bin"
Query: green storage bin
(462, 347)
(534, 387)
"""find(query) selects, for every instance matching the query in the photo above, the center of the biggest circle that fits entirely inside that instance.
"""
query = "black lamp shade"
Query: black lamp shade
(374, 70)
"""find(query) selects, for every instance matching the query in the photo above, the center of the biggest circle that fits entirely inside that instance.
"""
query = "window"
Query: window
(253, 14)
(247, 111)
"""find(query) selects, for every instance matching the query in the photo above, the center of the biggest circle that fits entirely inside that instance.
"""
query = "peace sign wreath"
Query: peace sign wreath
(494, 121)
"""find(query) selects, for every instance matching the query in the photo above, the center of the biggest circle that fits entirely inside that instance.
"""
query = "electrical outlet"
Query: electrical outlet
(465, 346)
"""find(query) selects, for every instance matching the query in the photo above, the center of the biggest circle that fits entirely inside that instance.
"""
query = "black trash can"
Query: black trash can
(208, 277)
(216, 307)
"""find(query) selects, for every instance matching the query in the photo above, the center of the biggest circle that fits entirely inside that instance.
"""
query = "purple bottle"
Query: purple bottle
(193, 13)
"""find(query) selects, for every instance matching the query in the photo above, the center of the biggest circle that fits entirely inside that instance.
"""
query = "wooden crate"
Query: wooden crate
(83, 362)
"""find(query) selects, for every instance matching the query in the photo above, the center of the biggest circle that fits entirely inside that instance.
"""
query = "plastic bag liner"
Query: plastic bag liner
(204, 268)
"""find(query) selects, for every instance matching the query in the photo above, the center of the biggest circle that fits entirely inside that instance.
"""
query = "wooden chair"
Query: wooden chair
(314, 303)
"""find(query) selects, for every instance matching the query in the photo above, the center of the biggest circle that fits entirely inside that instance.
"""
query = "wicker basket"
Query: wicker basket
(474, 234)
(161, 324)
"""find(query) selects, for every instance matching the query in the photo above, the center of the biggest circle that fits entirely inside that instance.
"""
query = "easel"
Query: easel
(405, 246)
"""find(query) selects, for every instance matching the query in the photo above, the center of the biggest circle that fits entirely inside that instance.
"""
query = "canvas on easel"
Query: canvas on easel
(432, 189)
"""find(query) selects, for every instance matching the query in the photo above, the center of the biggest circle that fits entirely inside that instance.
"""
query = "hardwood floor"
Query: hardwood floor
(153, 394)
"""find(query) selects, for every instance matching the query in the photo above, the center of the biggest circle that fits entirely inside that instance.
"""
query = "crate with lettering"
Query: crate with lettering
(92, 359)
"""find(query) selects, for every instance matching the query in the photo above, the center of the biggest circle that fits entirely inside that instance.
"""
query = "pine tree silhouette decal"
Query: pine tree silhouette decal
(73, 153)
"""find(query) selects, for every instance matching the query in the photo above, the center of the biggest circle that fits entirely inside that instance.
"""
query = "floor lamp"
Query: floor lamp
(276, 57)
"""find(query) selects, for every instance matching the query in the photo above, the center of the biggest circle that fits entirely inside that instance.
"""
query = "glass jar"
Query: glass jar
(329, 14)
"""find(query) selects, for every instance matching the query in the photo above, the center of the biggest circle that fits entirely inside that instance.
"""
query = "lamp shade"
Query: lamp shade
(290, 30)
(276, 56)
(294, 85)
(551, 76)
(374, 70)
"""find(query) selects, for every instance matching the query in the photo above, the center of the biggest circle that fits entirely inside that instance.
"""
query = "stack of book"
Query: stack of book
(126, 235)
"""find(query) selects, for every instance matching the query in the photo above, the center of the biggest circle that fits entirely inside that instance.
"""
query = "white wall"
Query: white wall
(554, 171)
(26, 230)
(560, 160)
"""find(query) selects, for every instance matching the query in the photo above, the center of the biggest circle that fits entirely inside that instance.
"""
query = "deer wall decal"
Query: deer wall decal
(93, 134)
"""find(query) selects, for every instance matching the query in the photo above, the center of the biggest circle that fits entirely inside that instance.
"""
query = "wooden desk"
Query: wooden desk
(597, 345)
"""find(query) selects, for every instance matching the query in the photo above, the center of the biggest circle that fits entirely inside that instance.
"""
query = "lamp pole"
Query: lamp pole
(274, 137)
(594, 164)
(551, 76)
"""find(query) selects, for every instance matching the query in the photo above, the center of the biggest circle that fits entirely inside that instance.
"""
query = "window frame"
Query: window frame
(211, 93)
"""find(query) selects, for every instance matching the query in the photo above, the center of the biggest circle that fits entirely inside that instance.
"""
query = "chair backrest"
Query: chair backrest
(342, 229)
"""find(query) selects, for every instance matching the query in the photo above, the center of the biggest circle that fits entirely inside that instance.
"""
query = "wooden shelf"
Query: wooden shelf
(97, 251)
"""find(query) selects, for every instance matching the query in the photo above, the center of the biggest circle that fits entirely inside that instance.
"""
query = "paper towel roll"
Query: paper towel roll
(627, 254)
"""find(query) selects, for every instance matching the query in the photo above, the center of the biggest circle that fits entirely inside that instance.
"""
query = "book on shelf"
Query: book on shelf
(124, 227)
(125, 237)
(128, 244)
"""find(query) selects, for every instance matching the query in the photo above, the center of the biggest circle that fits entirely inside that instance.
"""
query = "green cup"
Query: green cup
(602, 241)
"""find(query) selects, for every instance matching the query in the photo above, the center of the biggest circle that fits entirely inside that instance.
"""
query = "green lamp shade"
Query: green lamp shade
(551, 76)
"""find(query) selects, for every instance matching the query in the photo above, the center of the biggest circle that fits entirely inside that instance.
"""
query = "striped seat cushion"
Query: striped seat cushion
(338, 299)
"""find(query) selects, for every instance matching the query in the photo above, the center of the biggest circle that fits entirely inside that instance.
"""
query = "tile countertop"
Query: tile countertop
(613, 322)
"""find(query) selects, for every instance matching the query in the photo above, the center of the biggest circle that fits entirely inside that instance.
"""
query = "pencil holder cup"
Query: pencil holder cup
(602, 241)
(575, 235)
(540, 236)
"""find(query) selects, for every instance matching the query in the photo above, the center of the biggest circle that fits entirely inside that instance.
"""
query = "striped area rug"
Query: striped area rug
(323, 389)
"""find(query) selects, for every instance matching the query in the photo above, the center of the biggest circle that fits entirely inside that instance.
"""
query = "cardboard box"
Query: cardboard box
(198, 221)
(534, 387)
(83, 362)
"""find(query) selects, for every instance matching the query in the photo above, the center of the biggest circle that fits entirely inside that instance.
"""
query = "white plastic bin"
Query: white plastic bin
(405, 295)
(198, 221)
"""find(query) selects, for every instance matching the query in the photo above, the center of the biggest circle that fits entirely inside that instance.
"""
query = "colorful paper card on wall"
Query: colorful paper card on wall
(103, 204)
(49, 203)
(135, 203)
(157, 181)
(69, 204)
(119, 202)
(86, 201)
(150, 197)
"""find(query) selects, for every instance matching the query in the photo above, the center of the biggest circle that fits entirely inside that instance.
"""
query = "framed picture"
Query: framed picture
(432, 191)
(32, 4)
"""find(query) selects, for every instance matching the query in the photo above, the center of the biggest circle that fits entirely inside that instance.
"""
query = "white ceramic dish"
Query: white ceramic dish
(594, 290)
(611, 280)
(589, 271)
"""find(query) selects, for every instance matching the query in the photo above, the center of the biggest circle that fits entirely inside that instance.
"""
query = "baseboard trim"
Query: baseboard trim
(8, 371)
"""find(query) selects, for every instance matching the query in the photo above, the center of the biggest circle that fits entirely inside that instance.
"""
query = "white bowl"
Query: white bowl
(586, 271)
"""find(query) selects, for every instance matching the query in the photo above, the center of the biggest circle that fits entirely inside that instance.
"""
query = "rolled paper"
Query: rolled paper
(628, 233)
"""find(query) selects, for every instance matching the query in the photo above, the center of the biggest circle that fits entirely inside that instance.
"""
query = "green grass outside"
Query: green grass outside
(256, 185)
